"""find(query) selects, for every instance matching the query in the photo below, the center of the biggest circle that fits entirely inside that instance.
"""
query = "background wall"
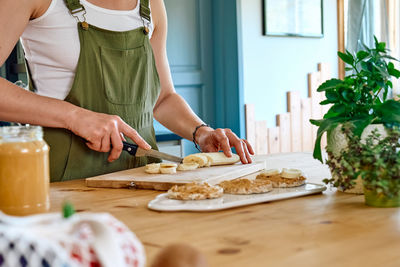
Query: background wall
(274, 65)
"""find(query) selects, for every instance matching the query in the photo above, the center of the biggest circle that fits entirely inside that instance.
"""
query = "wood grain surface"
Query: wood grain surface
(329, 229)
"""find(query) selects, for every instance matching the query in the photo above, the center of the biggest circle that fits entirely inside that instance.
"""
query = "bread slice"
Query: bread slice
(246, 186)
(287, 178)
(195, 191)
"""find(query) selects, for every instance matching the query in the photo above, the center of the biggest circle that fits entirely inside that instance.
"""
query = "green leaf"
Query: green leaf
(316, 122)
(360, 123)
(392, 70)
(324, 125)
(347, 94)
(329, 84)
(325, 102)
(362, 54)
(338, 108)
(349, 59)
(68, 210)
(381, 47)
(389, 112)
(331, 95)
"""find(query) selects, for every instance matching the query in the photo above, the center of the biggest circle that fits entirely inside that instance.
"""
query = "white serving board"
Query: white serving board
(163, 203)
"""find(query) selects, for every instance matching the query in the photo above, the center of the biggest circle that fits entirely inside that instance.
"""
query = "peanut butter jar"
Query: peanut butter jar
(24, 170)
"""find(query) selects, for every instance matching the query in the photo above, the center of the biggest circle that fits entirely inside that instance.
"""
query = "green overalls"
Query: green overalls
(116, 74)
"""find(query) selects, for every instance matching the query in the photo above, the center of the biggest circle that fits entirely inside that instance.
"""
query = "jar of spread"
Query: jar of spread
(24, 170)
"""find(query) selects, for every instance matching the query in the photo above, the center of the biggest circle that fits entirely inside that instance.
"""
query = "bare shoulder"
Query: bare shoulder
(16, 15)
(33, 8)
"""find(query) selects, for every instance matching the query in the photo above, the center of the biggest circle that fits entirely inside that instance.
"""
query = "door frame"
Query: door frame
(228, 72)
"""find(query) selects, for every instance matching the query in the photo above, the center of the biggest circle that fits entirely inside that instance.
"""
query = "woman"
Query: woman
(100, 71)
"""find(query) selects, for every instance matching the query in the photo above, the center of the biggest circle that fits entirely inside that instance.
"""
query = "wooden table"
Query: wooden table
(329, 229)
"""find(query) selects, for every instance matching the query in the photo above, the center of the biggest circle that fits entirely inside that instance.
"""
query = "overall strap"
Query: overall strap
(74, 6)
(145, 9)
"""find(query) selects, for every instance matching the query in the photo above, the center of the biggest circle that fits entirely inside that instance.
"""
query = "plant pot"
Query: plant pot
(337, 142)
(380, 200)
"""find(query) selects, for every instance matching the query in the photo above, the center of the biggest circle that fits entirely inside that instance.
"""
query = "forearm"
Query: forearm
(174, 113)
(18, 105)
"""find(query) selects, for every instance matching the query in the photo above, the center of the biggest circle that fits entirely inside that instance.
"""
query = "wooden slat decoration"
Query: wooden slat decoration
(261, 138)
(306, 131)
(250, 124)
(285, 132)
(294, 109)
(274, 140)
(294, 132)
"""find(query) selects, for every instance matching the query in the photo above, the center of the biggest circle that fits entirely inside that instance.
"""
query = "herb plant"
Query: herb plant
(361, 98)
(375, 160)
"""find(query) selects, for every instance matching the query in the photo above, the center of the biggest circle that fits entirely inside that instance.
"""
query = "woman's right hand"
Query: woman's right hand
(103, 132)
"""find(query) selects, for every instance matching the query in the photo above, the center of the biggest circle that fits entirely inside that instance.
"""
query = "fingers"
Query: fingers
(248, 146)
(246, 150)
(223, 141)
(116, 140)
(134, 135)
(237, 143)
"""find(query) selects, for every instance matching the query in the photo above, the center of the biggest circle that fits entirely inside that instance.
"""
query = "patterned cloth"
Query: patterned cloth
(25, 245)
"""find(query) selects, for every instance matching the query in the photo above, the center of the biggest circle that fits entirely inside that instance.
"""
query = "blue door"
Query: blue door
(189, 48)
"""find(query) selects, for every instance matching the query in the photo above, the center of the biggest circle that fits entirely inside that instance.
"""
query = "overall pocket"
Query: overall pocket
(125, 75)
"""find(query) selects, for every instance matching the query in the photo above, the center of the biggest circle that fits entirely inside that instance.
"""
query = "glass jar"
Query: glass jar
(24, 170)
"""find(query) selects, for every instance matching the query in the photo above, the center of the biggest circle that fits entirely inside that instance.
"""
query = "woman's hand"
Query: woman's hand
(104, 132)
(211, 140)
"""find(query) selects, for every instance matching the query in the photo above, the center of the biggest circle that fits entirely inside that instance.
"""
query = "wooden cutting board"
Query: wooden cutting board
(139, 179)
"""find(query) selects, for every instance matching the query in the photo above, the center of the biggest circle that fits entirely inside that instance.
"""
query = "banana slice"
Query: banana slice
(219, 158)
(167, 165)
(290, 173)
(187, 166)
(270, 172)
(152, 168)
(198, 158)
(168, 170)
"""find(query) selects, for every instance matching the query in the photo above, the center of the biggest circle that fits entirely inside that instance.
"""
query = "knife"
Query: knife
(136, 151)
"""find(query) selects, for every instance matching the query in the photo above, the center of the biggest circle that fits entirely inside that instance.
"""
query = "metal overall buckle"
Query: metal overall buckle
(81, 18)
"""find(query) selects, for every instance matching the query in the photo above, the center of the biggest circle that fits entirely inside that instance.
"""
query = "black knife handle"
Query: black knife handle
(130, 148)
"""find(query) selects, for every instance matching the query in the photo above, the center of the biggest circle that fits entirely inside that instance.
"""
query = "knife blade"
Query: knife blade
(136, 151)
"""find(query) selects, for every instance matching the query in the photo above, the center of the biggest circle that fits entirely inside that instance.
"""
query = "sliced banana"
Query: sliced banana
(168, 170)
(187, 166)
(152, 168)
(290, 173)
(271, 172)
(167, 165)
(198, 158)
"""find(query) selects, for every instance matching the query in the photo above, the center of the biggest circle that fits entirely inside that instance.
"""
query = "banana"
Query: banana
(219, 158)
(152, 168)
(198, 158)
(187, 166)
(168, 170)
(167, 165)
(270, 172)
(290, 173)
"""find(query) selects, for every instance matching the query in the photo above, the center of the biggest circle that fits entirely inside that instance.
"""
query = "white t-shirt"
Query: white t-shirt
(51, 43)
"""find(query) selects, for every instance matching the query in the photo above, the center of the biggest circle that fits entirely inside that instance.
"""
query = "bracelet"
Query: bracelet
(194, 134)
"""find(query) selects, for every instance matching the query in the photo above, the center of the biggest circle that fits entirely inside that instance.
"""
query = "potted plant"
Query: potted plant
(360, 99)
(375, 159)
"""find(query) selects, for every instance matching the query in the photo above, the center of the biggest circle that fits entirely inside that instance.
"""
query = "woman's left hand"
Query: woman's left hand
(211, 140)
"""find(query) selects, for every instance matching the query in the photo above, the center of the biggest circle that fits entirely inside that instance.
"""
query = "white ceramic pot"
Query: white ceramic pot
(337, 142)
